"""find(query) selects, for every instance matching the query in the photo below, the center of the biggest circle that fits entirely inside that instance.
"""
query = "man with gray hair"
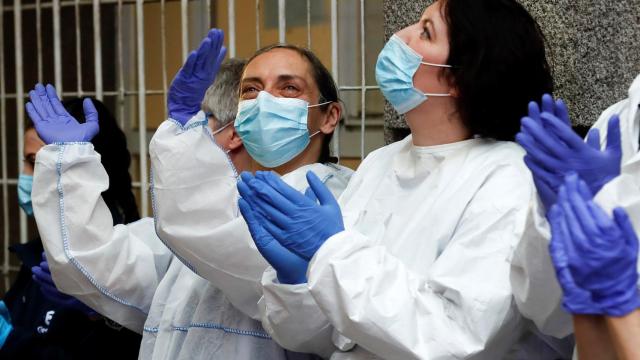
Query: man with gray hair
(220, 103)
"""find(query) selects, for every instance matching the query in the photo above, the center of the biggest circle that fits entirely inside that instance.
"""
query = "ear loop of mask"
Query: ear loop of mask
(316, 105)
(440, 66)
(218, 131)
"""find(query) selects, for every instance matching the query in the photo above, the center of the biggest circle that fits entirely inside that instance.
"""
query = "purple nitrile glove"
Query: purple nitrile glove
(194, 78)
(42, 275)
(552, 145)
(52, 121)
(547, 181)
(601, 252)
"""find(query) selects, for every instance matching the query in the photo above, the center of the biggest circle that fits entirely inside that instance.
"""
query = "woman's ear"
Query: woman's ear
(331, 118)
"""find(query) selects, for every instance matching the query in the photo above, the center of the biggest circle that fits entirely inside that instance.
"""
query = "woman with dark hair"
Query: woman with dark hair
(413, 261)
(46, 323)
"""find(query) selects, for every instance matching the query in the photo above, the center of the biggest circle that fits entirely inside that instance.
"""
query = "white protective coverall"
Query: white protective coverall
(536, 289)
(222, 252)
(125, 272)
(422, 269)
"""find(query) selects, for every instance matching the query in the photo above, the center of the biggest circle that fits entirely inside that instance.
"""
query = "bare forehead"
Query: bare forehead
(279, 63)
(434, 12)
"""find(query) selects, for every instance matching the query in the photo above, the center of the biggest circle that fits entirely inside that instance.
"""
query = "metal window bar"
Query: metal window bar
(78, 49)
(3, 157)
(17, 28)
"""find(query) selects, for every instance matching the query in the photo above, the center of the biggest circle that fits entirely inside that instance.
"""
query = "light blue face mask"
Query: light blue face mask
(397, 63)
(274, 129)
(25, 184)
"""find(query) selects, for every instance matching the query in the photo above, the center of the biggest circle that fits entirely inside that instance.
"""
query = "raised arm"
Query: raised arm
(113, 269)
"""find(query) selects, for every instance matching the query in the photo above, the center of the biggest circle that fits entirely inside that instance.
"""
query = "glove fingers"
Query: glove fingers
(45, 267)
(613, 135)
(203, 54)
(558, 236)
(293, 195)
(33, 114)
(187, 68)
(541, 173)
(221, 55)
(604, 223)
(311, 195)
(544, 138)
(44, 100)
(538, 155)
(56, 104)
(593, 139)
(534, 111)
(325, 197)
(579, 206)
(584, 191)
(245, 191)
(36, 101)
(91, 124)
(547, 195)
(273, 215)
(622, 220)
(255, 228)
(574, 230)
(547, 103)
(41, 277)
(563, 131)
(562, 112)
(217, 38)
(286, 204)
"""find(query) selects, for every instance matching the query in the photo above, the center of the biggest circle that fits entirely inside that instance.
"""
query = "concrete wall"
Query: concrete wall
(594, 49)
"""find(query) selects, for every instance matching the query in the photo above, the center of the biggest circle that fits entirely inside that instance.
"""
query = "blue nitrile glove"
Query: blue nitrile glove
(5, 323)
(290, 268)
(52, 121)
(42, 275)
(297, 222)
(602, 252)
(547, 182)
(194, 78)
(552, 144)
(575, 300)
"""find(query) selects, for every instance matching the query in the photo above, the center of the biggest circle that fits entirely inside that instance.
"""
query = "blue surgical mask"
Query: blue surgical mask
(25, 184)
(396, 66)
(273, 129)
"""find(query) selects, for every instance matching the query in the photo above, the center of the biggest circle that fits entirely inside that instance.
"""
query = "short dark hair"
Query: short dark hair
(499, 64)
(326, 86)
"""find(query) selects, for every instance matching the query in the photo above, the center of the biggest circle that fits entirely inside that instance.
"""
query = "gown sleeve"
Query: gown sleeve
(195, 204)
(115, 270)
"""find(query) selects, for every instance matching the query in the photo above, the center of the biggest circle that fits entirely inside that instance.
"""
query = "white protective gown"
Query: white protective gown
(125, 272)
(536, 290)
(222, 252)
(422, 269)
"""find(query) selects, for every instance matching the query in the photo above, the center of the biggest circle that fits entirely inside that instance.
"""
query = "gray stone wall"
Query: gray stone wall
(594, 49)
